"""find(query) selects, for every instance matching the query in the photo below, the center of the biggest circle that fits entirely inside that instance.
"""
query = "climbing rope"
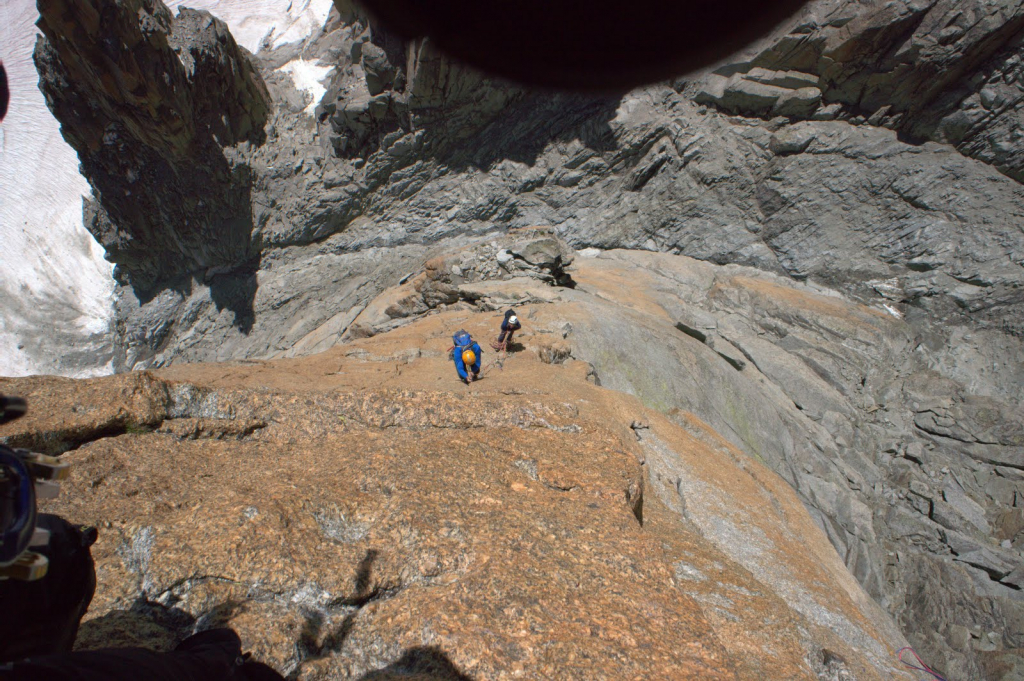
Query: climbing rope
(924, 668)
(499, 360)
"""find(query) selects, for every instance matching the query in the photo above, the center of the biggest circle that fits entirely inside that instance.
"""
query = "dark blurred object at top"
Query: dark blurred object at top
(5, 91)
(593, 45)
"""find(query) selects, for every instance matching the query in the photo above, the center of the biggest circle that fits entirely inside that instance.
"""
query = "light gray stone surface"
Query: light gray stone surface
(831, 399)
(940, 70)
(441, 152)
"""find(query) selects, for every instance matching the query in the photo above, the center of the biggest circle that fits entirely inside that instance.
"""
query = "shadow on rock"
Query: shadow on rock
(524, 129)
(236, 291)
(419, 663)
(314, 643)
(161, 114)
(5, 92)
(149, 625)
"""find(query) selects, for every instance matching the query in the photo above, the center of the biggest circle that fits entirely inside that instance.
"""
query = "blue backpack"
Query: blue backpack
(461, 339)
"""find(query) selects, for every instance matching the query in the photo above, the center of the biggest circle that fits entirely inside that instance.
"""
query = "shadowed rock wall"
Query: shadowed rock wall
(407, 150)
(869, 151)
(154, 106)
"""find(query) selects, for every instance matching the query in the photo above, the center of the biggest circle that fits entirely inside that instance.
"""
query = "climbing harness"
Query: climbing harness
(924, 668)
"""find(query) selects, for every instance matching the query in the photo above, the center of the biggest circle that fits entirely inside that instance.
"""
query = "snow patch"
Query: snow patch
(13, 361)
(308, 77)
(258, 24)
(892, 310)
(48, 259)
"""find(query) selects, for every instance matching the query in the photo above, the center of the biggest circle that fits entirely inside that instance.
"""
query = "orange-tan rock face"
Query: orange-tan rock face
(360, 513)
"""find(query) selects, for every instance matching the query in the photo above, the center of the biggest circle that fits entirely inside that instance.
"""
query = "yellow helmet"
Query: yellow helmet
(468, 357)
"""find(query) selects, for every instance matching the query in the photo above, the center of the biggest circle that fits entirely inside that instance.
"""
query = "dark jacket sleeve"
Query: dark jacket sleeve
(41, 617)
(209, 656)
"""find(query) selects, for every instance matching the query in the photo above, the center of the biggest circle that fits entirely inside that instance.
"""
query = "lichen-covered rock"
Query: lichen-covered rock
(553, 350)
(842, 399)
(385, 514)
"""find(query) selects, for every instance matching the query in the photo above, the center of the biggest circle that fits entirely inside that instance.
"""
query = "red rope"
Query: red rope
(924, 668)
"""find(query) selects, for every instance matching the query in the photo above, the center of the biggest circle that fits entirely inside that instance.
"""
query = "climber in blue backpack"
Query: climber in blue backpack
(467, 355)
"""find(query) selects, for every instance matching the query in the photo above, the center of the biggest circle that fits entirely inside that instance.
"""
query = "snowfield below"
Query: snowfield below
(55, 286)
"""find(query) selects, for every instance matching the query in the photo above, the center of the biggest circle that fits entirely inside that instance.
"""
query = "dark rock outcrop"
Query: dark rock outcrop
(404, 99)
(153, 105)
